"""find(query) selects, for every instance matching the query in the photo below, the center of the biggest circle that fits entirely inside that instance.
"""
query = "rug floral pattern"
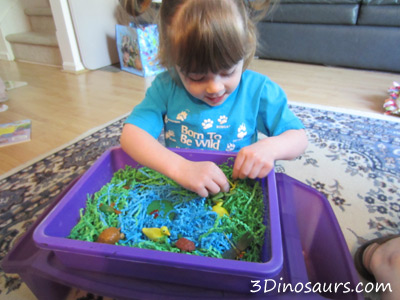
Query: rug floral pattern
(353, 160)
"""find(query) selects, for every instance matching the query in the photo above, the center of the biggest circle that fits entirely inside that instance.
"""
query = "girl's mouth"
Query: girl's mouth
(216, 100)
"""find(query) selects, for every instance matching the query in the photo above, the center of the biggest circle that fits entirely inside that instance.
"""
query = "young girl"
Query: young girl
(208, 100)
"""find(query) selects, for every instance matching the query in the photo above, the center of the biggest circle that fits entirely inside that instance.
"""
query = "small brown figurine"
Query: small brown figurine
(185, 245)
(110, 235)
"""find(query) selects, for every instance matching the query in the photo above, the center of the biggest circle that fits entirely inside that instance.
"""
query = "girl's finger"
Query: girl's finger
(255, 172)
(213, 188)
(202, 192)
(264, 172)
(221, 180)
(237, 165)
(246, 168)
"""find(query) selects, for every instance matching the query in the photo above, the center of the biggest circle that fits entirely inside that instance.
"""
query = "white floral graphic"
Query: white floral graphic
(169, 135)
(222, 119)
(242, 131)
(207, 123)
(230, 147)
(182, 116)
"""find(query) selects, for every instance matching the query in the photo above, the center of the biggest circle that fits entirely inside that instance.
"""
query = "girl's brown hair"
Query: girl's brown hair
(200, 36)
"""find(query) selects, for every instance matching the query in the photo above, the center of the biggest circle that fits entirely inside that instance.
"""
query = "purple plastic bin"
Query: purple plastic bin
(229, 275)
(308, 219)
(330, 263)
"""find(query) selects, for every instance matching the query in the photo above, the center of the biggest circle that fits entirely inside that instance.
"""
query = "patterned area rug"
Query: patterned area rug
(354, 160)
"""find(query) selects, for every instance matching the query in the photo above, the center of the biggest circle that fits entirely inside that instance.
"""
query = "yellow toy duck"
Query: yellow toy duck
(156, 234)
(221, 211)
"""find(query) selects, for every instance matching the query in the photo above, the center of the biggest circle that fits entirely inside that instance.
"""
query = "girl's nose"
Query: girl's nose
(214, 86)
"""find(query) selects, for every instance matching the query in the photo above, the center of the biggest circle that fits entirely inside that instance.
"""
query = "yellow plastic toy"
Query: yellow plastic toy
(221, 211)
(156, 234)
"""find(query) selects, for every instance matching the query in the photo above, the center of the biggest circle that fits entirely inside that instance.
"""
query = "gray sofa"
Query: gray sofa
(361, 34)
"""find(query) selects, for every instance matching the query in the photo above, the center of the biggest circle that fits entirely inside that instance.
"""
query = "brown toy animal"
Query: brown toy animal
(185, 245)
(110, 235)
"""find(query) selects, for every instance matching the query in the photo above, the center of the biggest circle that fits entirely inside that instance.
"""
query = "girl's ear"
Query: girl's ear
(135, 7)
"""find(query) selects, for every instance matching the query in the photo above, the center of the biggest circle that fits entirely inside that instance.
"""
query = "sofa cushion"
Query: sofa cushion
(381, 2)
(340, 14)
(365, 47)
(380, 15)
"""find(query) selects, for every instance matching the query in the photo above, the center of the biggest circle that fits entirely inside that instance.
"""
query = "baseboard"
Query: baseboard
(70, 67)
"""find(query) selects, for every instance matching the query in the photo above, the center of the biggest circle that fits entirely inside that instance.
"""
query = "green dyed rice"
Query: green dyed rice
(244, 203)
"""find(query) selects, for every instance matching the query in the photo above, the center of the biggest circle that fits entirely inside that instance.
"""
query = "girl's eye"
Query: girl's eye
(228, 74)
(196, 77)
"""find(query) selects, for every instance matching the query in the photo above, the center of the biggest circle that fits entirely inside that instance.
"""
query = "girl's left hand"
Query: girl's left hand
(258, 159)
(253, 162)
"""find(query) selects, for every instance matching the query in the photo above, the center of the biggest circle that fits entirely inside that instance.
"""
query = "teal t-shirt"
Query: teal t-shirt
(257, 104)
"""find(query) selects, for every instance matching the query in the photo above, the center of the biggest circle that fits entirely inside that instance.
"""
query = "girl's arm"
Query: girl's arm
(257, 160)
(200, 177)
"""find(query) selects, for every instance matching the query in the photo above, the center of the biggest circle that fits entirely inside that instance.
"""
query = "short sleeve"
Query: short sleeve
(274, 116)
(149, 114)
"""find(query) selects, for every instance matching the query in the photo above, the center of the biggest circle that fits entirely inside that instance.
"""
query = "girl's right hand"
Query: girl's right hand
(203, 177)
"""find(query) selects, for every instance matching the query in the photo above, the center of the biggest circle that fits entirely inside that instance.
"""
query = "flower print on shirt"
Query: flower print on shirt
(182, 116)
(170, 135)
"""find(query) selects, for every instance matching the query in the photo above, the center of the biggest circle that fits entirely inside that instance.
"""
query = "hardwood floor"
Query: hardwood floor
(63, 106)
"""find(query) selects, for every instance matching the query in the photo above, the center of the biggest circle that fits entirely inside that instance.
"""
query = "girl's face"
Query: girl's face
(212, 88)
